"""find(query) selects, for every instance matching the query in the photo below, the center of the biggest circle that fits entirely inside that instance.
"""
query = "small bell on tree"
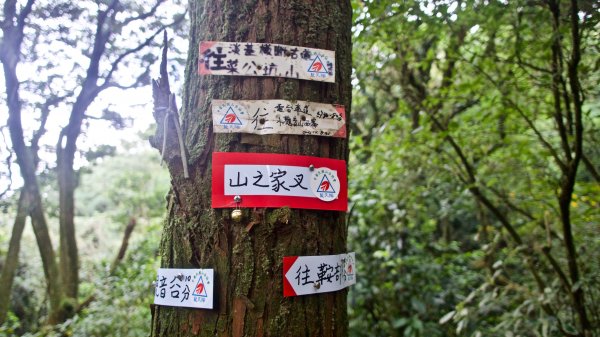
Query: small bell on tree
(236, 214)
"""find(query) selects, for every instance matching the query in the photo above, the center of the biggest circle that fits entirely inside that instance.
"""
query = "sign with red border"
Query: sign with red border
(278, 180)
(308, 275)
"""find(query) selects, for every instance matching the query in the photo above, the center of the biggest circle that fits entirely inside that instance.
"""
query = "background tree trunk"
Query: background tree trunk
(247, 256)
(12, 256)
(10, 52)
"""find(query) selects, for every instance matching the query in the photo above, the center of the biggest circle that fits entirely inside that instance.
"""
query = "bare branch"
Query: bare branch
(138, 81)
(539, 135)
(24, 13)
(511, 205)
(144, 15)
(8, 163)
(10, 10)
(124, 243)
(590, 167)
(45, 112)
(100, 39)
(561, 274)
(147, 42)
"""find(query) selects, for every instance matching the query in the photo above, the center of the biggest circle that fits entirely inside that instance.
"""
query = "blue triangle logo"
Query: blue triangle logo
(325, 185)
(317, 66)
(200, 289)
(230, 118)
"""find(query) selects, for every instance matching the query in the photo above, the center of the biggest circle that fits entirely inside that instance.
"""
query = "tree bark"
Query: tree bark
(247, 256)
(69, 261)
(12, 256)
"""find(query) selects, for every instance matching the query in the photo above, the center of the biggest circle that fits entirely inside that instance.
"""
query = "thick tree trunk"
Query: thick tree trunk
(247, 256)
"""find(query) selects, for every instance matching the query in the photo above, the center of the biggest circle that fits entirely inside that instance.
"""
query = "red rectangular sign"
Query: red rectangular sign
(278, 180)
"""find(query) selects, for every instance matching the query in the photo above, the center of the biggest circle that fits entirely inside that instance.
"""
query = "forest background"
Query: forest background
(474, 166)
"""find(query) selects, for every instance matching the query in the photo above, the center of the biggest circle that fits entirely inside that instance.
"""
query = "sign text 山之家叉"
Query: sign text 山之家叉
(266, 60)
(278, 180)
(265, 117)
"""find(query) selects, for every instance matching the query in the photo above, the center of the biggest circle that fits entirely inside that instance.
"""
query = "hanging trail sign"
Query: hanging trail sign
(184, 288)
(265, 117)
(278, 180)
(266, 59)
(307, 275)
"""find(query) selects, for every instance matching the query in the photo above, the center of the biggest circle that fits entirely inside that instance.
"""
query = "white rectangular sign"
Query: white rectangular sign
(282, 180)
(267, 180)
(266, 59)
(306, 275)
(184, 288)
(279, 117)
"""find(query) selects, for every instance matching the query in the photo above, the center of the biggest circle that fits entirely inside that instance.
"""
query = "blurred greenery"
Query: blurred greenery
(438, 84)
(113, 189)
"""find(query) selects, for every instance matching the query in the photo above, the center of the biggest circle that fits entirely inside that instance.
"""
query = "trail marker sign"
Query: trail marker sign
(278, 116)
(266, 60)
(191, 288)
(278, 180)
(307, 275)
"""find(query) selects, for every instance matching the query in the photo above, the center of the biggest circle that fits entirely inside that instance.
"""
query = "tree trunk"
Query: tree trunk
(247, 256)
(10, 51)
(68, 261)
(12, 256)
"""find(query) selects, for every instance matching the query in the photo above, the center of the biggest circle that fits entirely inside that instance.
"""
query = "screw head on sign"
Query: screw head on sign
(236, 215)
(311, 167)
(317, 285)
(237, 199)
(180, 276)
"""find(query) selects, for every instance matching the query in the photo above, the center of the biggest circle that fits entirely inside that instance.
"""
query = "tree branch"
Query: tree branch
(8, 164)
(556, 78)
(100, 39)
(145, 15)
(539, 135)
(24, 14)
(590, 167)
(124, 243)
(45, 112)
(115, 64)
(10, 10)
(529, 122)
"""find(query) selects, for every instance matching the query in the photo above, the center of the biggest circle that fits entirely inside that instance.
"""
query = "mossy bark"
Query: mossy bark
(247, 256)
